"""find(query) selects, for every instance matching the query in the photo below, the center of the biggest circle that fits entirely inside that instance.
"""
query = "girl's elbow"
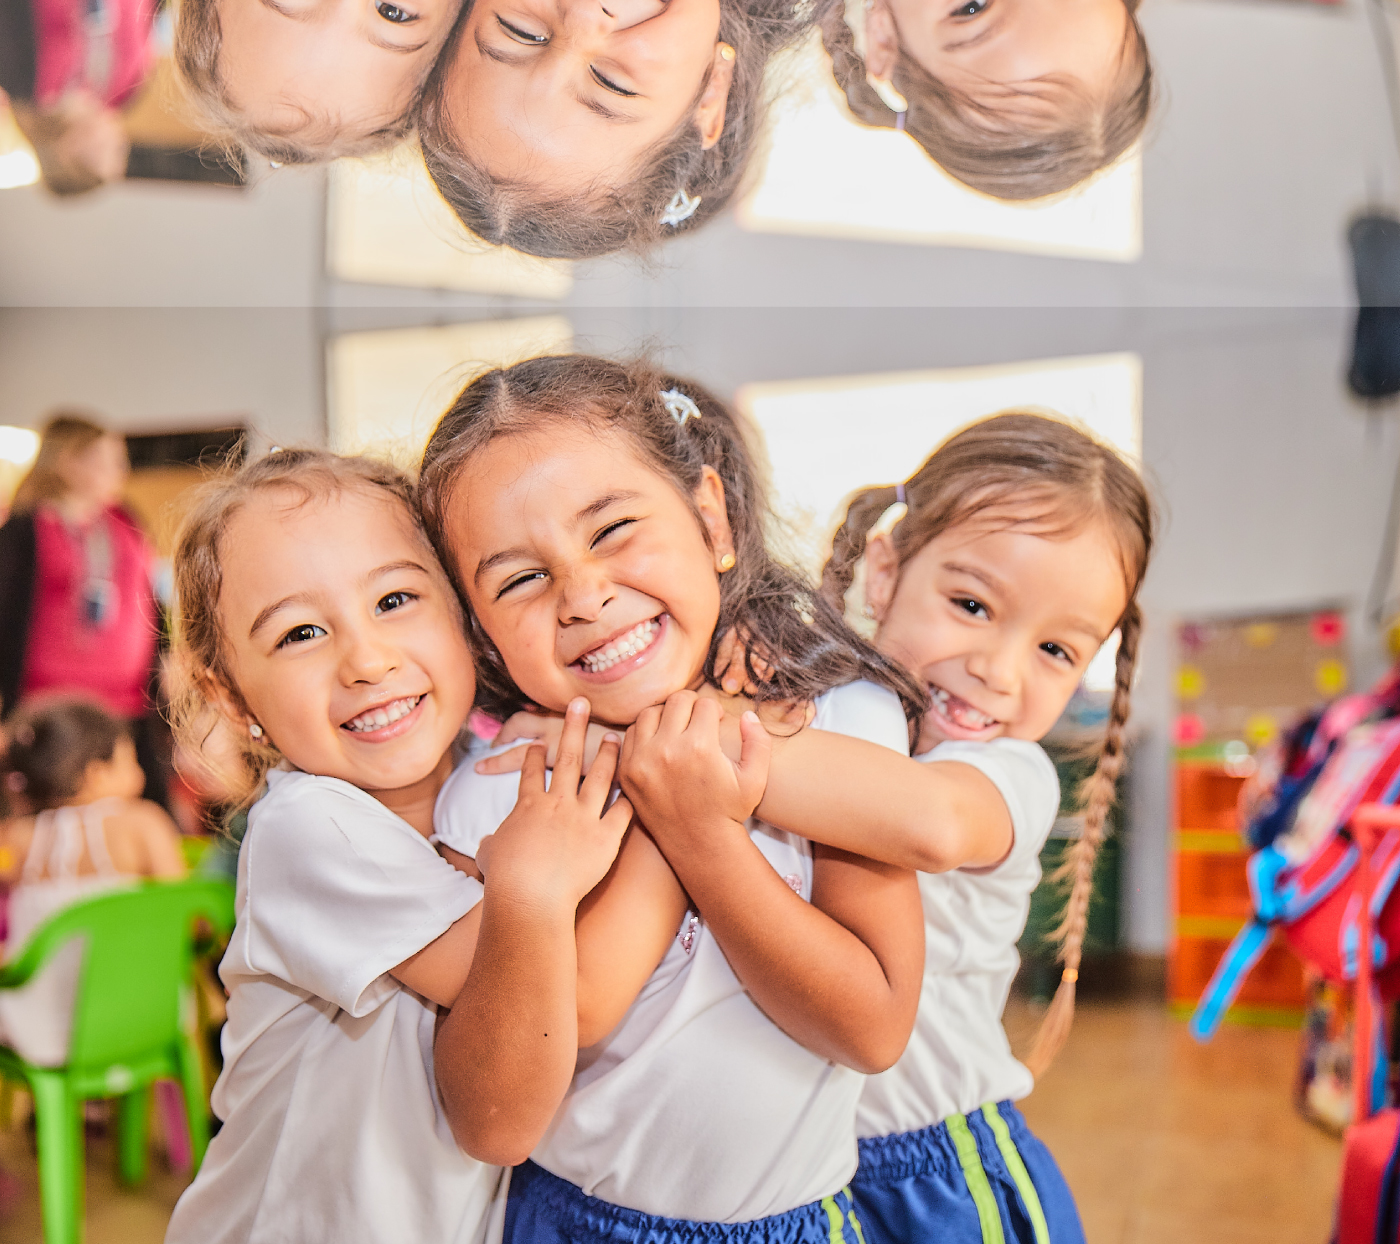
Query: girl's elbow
(496, 1144)
(871, 1052)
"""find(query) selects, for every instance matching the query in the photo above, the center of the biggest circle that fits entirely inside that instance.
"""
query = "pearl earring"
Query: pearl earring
(868, 610)
(726, 563)
(255, 730)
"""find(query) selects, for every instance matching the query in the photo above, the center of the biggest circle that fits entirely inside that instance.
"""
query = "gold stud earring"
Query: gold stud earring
(726, 52)
(726, 563)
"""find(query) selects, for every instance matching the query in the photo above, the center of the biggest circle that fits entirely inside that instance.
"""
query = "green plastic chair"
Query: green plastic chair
(131, 1026)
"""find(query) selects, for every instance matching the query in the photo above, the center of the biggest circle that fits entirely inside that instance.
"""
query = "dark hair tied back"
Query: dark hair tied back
(797, 644)
(52, 745)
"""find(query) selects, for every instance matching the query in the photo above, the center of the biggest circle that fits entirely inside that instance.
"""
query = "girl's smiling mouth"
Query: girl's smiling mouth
(386, 721)
(617, 657)
(958, 718)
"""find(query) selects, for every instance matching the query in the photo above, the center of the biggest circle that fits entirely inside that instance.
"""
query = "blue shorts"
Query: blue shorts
(544, 1209)
(980, 1178)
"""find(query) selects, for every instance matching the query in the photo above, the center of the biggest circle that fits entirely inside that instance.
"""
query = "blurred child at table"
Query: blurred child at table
(1016, 98)
(74, 765)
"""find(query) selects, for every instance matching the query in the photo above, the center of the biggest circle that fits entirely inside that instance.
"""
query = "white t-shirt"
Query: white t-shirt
(697, 1106)
(332, 1126)
(958, 1057)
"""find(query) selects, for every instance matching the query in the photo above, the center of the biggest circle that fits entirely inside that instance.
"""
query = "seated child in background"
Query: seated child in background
(74, 765)
(305, 81)
(569, 129)
(1016, 98)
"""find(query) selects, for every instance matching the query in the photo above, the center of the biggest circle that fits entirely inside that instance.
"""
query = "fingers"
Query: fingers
(507, 762)
(532, 770)
(593, 794)
(729, 662)
(754, 755)
(676, 713)
(617, 818)
(568, 765)
(522, 725)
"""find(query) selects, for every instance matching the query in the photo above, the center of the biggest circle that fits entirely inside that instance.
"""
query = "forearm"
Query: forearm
(928, 817)
(813, 977)
(625, 927)
(506, 1052)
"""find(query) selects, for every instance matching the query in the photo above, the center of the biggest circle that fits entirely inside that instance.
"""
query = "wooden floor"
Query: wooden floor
(1162, 1140)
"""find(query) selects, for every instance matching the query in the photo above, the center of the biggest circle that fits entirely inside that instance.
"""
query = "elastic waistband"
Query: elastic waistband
(586, 1219)
(932, 1150)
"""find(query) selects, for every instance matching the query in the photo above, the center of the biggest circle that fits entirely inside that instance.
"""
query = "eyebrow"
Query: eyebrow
(495, 54)
(982, 576)
(591, 510)
(304, 598)
(405, 49)
(595, 106)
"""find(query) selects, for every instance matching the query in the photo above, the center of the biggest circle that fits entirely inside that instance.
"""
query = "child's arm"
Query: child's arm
(931, 816)
(841, 974)
(506, 1051)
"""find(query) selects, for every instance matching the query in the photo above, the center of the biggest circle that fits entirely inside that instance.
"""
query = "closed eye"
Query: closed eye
(522, 36)
(608, 85)
(609, 530)
(394, 600)
(301, 634)
(511, 584)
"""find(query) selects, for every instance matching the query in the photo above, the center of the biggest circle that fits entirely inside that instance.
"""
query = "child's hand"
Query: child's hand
(730, 667)
(676, 774)
(526, 728)
(559, 843)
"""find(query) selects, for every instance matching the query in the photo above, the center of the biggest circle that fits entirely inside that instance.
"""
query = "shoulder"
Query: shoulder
(864, 710)
(1022, 773)
(472, 805)
(302, 807)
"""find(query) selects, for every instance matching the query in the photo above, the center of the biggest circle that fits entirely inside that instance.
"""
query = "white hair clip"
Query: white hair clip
(680, 407)
(680, 209)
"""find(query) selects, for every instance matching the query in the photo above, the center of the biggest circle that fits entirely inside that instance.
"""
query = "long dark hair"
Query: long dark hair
(797, 645)
(1002, 467)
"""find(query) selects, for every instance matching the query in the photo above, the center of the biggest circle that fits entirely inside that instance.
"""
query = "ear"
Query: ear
(881, 574)
(709, 500)
(881, 42)
(709, 116)
(227, 705)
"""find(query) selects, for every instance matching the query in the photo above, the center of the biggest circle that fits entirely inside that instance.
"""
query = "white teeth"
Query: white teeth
(628, 645)
(969, 716)
(378, 718)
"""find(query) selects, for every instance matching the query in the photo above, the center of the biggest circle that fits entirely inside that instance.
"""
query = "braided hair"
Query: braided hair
(1022, 459)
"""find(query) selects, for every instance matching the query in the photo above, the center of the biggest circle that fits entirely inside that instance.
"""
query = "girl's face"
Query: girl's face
(588, 570)
(348, 65)
(999, 623)
(344, 637)
(569, 93)
(97, 473)
(995, 49)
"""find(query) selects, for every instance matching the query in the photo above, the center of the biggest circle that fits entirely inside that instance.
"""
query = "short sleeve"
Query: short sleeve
(471, 805)
(1025, 778)
(339, 890)
(864, 710)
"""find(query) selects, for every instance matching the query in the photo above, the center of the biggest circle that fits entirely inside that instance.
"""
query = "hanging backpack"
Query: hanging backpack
(1303, 873)
(1368, 1202)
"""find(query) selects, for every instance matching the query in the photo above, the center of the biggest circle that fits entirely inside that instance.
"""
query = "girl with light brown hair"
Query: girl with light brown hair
(1019, 99)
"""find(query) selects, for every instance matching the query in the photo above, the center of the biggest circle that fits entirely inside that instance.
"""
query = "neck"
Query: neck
(415, 803)
(77, 509)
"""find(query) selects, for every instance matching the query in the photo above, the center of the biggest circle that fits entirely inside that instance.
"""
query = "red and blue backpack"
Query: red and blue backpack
(1304, 884)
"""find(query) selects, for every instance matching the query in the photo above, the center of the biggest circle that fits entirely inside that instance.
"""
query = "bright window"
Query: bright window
(386, 224)
(387, 390)
(827, 438)
(830, 176)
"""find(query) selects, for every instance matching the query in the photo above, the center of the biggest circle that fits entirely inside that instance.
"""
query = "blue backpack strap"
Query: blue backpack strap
(1244, 952)
(1263, 869)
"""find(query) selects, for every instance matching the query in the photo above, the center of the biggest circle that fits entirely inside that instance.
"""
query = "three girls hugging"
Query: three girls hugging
(754, 996)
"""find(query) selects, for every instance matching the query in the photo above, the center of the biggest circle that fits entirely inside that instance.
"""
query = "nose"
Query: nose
(365, 658)
(584, 593)
(607, 16)
(997, 667)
